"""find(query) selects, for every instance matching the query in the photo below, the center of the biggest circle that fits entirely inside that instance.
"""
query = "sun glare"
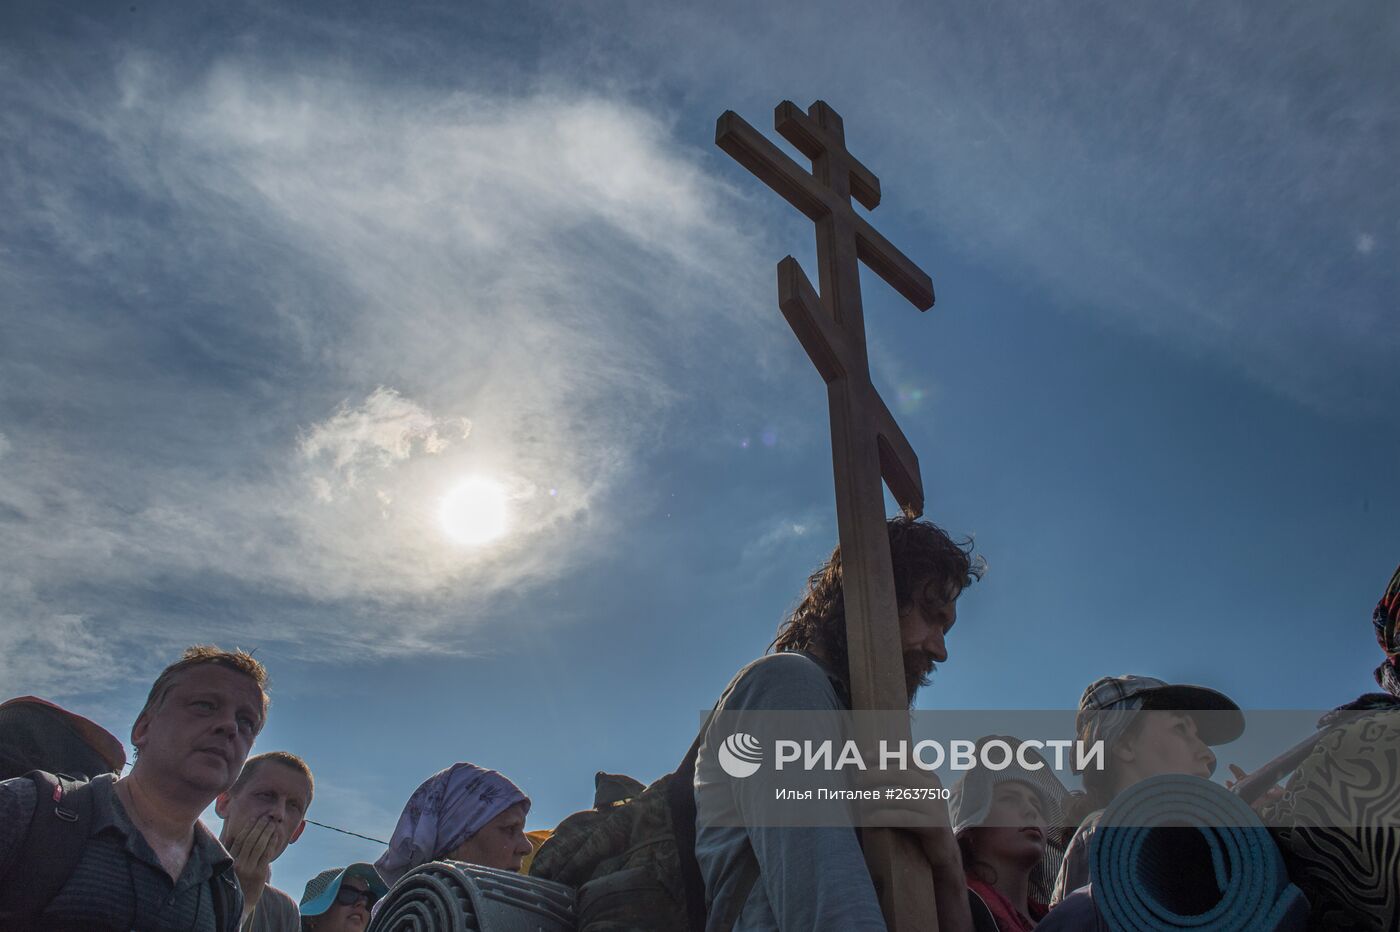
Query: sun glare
(474, 512)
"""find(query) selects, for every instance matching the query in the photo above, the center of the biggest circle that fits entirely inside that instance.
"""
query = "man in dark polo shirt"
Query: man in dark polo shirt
(147, 862)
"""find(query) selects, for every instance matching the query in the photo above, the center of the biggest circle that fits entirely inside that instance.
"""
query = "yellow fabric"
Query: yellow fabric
(537, 838)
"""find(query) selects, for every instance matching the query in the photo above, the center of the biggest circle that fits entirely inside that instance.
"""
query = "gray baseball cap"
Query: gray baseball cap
(1106, 708)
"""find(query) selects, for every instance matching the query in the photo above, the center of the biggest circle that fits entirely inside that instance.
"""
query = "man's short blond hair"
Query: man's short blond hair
(285, 758)
(238, 661)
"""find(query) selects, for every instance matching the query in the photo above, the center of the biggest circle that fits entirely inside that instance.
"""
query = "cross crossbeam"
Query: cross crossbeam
(798, 187)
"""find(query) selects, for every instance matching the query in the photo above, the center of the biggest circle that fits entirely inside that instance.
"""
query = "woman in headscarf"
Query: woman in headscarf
(1003, 820)
(464, 813)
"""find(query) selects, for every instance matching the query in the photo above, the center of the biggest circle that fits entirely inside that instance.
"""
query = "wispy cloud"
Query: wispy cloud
(336, 298)
(386, 429)
(1195, 173)
(778, 535)
(782, 542)
(49, 653)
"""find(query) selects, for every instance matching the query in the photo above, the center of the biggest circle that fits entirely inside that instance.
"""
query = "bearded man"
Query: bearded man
(774, 877)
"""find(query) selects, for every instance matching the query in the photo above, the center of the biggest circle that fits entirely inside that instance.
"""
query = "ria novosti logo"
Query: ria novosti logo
(740, 755)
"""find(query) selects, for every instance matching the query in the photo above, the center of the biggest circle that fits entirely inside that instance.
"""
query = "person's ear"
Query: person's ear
(221, 806)
(1124, 751)
(139, 731)
(301, 827)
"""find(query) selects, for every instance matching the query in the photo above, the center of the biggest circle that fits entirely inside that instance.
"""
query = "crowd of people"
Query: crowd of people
(84, 847)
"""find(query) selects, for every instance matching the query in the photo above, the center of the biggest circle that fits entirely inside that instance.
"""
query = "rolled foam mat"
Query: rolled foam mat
(452, 896)
(1179, 852)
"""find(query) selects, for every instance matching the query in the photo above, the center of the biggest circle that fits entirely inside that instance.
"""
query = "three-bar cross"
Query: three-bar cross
(866, 442)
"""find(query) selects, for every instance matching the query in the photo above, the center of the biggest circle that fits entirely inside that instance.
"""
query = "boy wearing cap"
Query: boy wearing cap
(264, 812)
(340, 899)
(1148, 727)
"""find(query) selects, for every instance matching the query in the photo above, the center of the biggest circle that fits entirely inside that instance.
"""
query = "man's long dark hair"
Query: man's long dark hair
(920, 551)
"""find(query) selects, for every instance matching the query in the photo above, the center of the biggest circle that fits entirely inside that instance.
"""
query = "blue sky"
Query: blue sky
(274, 281)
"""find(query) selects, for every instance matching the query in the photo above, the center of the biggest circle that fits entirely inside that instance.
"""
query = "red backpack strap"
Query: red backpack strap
(49, 852)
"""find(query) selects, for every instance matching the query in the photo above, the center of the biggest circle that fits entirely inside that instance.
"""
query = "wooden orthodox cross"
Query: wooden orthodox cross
(866, 443)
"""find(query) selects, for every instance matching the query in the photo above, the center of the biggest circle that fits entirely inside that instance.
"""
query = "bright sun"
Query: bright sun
(474, 512)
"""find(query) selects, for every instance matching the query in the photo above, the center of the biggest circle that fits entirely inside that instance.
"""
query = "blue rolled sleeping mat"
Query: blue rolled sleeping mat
(1180, 852)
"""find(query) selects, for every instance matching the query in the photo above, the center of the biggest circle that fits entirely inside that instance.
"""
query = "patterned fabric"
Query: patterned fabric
(1366, 702)
(450, 807)
(1338, 824)
(1108, 704)
(1109, 692)
(1386, 620)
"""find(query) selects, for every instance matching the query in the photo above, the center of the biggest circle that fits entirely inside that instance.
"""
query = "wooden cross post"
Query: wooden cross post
(866, 443)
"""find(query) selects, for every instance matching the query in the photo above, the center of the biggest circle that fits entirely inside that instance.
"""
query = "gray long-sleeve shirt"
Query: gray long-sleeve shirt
(810, 879)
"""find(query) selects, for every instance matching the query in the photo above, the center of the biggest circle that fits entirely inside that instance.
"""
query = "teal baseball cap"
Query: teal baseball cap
(321, 890)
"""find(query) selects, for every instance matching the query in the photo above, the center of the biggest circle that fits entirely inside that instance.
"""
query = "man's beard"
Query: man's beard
(918, 671)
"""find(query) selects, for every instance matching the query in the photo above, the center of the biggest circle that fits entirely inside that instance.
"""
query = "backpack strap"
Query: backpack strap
(681, 802)
(51, 848)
